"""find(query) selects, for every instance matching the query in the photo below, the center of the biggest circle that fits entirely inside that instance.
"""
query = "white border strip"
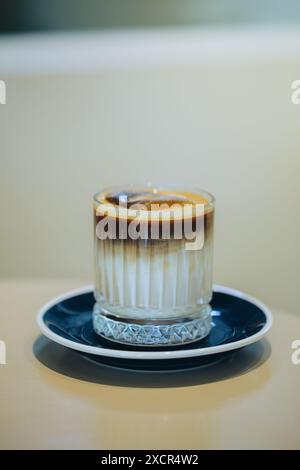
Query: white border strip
(84, 52)
(154, 354)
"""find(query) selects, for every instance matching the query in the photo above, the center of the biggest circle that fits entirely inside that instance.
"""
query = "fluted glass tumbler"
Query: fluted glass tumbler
(153, 265)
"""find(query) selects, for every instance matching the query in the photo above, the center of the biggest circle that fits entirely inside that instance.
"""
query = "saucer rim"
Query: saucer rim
(173, 354)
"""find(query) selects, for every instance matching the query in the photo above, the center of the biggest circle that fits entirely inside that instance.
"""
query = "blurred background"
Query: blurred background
(39, 15)
(194, 92)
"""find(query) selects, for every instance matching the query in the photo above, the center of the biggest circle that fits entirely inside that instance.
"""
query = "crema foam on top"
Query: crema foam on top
(140, 202)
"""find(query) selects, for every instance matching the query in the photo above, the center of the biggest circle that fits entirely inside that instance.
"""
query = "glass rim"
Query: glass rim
(207, 195)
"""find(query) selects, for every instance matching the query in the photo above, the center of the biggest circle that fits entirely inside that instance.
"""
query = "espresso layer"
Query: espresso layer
(156, 215)
(145, 204)
(145, 198)
(118, 229)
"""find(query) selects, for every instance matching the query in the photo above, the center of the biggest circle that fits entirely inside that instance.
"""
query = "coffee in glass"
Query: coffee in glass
(153, 265)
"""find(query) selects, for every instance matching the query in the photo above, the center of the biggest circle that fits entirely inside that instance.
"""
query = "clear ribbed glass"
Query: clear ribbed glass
(153, 291)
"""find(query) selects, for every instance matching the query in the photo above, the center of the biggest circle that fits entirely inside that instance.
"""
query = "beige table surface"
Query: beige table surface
(52, 398)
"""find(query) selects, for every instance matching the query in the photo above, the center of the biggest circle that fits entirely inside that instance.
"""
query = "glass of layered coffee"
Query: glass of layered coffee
(153, 265)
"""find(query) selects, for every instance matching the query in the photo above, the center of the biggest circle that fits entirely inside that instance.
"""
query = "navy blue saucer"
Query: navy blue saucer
(236, 322)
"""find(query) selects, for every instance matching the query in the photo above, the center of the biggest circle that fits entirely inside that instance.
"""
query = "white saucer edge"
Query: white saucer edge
(171, 354)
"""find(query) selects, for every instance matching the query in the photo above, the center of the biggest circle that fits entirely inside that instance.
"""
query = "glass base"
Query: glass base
(152, 333)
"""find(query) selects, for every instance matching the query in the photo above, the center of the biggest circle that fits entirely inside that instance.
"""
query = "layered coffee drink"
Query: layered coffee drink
(153, 265)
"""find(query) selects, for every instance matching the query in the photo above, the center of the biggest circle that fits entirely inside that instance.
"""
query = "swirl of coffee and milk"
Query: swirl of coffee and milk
(151, 277)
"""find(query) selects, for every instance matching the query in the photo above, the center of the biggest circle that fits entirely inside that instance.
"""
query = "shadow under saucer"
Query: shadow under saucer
(150, 373)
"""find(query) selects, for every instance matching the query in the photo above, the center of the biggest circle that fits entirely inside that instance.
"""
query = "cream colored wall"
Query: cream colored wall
(225, 125)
